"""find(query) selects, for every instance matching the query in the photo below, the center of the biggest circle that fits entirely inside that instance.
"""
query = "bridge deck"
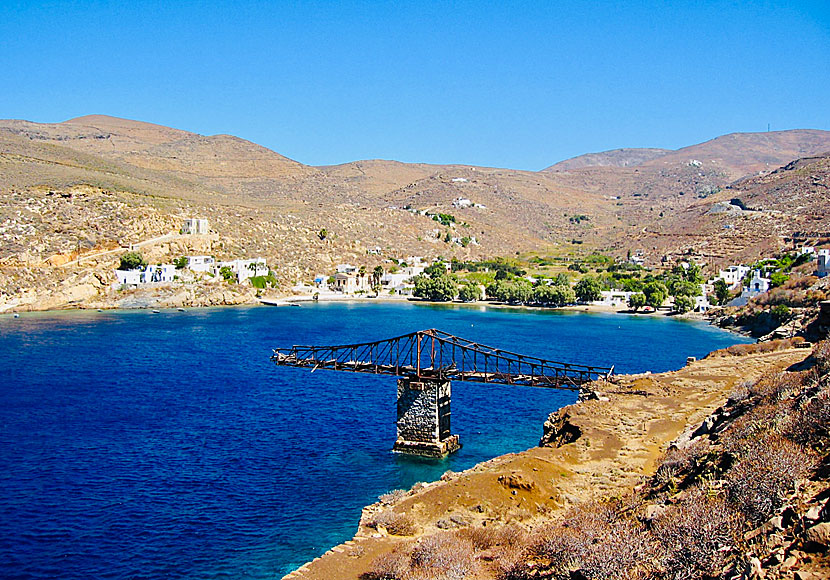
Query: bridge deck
(433, 354)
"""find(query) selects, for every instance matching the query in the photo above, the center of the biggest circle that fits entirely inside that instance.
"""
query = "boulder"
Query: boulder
(818, 537)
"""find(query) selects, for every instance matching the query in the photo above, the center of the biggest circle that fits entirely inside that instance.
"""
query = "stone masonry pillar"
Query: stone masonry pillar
(424, 418)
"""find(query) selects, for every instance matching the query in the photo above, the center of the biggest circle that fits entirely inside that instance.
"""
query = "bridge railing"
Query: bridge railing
(433, 354)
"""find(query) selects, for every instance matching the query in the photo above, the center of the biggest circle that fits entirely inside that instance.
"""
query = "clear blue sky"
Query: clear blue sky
(509, 84)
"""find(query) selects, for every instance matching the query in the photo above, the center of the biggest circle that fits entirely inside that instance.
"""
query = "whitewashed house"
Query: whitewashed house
(200, 263)
(244, 269)
(345, 269)
(822, 263)
(758, 284)
(733, 275)
(128, 277)
(613, 298)
(394, 280)
(153, 274)
(195, 226)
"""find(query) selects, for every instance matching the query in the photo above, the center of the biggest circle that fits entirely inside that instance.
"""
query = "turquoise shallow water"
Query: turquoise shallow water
(141, 445)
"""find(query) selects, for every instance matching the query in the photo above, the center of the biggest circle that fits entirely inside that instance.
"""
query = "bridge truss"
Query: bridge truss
(436, 355)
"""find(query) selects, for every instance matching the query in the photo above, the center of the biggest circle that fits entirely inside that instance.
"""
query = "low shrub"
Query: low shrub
(696, 536)
(810, 425)
(392, 496)
(759, 483)
(438, 557)
(395, 523)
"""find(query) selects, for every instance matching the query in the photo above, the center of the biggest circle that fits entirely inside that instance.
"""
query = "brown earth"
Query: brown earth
(93, 183)
(619, 441)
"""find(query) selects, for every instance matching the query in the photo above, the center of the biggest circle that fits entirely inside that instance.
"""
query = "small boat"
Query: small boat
(180, 309)
(17, 315)
(155, 311)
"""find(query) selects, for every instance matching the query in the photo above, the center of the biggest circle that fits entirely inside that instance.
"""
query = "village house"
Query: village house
(613, 298)
(200, 263)
(733, 275)
(822, 263)
(154, 274)
(193, 226)
(244, 269)
(345, 269)
(351, 283)
(758, 284)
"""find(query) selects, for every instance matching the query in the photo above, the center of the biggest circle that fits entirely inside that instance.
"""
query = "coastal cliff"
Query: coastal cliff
(591, 453)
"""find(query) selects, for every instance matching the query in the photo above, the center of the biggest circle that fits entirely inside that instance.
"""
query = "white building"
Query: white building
(394, 280)
(128, 277)
(822, 263)
(613, 298)
(345, 269)
(154, 274)
(244, 269)
(733, 275)
(758, 284)
(200, 263)
(195, 226)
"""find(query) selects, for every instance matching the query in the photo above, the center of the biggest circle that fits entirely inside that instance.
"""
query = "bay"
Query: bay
(144, 445)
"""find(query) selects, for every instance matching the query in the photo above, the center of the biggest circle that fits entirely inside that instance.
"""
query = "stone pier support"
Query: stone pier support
(424, 418)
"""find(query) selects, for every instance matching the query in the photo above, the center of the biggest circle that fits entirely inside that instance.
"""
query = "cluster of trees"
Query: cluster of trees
(682, 283)
(132, 261)
(513, 290)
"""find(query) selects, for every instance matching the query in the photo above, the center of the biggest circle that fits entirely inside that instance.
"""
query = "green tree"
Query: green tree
(377, 274)
(777, 279)
(180, 263)
(132, 261)
(685, 288)
(440, 289)
(636, 301)
(588, 289)
(562, 279)
(520, 291)
(683, 303)
(721, 291)
(323, 234)
(469, 292)
(655, 293)
(435, 270)
(227, 274)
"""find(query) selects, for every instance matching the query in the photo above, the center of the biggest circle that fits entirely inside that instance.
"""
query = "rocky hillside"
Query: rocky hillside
(100, 183)
(718, 470)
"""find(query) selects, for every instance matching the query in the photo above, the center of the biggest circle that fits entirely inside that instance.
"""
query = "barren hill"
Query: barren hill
(612, 158)
(58, 180)
(741, 154)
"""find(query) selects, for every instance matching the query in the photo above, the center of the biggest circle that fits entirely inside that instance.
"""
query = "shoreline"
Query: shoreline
(620, 438)
(288, 300)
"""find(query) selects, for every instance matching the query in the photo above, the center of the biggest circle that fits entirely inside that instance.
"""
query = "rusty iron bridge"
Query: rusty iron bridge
(426, 361)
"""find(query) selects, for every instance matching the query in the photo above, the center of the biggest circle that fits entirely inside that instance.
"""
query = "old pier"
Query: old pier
(426, 362)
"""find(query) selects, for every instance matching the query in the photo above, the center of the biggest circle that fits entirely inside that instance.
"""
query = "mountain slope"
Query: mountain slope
(612, 158)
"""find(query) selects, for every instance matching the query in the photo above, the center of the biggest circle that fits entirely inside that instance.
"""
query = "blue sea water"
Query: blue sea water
(142, 445)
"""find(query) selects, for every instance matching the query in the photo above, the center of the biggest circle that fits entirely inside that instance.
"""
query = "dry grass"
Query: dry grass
(760, 482)
(395, 523)
(696, 536)
(438, 557)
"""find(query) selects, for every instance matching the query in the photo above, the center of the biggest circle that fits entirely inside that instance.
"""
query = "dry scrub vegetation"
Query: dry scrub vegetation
(744, 496)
